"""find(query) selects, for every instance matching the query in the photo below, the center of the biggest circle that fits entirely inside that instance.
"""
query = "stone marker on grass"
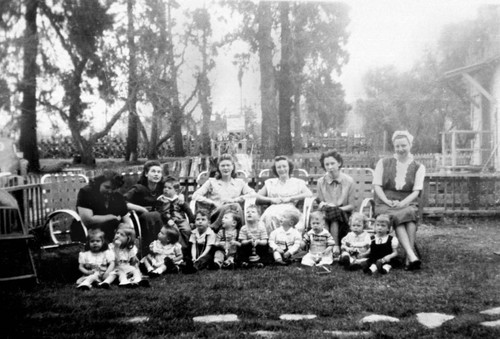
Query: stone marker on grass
(495, 323)
(216, 318)
(349, 334)
(265, 334)
(491, 311)
(377, 317)
(433, 320)
(297, 316)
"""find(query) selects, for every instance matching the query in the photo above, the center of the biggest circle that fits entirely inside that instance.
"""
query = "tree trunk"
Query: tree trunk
(28, 143)
(285, 83)
(204, 98)
(133, 131)
(297, 121)
(176, 118)
(269, 137)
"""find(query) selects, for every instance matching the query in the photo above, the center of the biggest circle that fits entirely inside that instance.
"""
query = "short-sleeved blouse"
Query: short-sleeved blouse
(218, 190)
(95, 201)
(141, 195)
(275, 188)
(339, 192)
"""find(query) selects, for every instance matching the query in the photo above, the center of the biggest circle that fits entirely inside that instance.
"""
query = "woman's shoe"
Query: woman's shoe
(414, 265)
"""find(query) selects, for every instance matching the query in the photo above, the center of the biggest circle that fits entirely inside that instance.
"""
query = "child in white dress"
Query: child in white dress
(165, 253)
(285, 240)
(355, 245)
(127, 268)
(96, 263)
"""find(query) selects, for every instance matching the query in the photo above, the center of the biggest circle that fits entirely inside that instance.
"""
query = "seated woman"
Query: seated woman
(143, 198)
(224, 191)
(281, 192)
(335, 193)
(100, 206)
(397, 182)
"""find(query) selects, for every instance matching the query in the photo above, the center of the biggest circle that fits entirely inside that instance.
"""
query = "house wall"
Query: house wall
(477, 124)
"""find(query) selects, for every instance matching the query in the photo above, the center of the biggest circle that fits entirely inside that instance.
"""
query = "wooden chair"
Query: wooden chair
(15, 254)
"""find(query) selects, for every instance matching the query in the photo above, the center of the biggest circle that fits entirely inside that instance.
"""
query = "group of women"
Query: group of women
(398, 181)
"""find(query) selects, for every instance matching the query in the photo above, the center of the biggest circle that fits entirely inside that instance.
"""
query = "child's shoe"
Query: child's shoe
(344, 261)
(244, 264)
(280, 262)
(104, 285)
(83, 287)
(144, 283)
(259, 265)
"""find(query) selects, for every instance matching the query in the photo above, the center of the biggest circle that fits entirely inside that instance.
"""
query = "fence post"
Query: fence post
(474, 188)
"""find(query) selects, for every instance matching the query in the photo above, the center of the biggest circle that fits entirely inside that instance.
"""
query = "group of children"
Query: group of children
(180, 249)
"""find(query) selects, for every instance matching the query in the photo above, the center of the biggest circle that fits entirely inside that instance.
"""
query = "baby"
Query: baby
(355, 244)
(319, 241)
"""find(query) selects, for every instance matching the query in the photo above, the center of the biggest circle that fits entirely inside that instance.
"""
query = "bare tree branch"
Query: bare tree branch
(63, 114)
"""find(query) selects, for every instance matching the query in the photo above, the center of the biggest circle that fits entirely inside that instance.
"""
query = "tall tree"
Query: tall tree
(79, 27)
(28, 138)
(133, 126)
(286, 89)
(268, 88)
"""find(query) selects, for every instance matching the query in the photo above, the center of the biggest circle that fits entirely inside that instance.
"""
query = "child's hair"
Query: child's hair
(174, 181)
(236, 217)
(359, 216)
(384, 218)
(203, 212)
(293, 214)
(130, 233)
(171, 234)
(317, 214)
(96, 233)
(253, 206)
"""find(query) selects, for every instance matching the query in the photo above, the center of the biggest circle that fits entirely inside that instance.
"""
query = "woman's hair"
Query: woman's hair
(130, 233)
(143, 180)
(223, 157)
(107, 175)
(203, 212)
(402, 134)
(96, 233)
(171, 234)
(333, 154)
(280, 158)
(358, 216)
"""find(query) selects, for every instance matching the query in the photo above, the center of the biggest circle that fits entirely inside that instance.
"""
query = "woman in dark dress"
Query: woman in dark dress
(398, 181)
(143, 198)
(101, 206)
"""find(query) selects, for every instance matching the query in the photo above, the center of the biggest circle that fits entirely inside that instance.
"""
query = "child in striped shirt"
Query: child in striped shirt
(254, 240)
(319, 241)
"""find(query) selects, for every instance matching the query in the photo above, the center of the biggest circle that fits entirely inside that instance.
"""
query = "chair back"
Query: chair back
(61, 191)
(363, 178)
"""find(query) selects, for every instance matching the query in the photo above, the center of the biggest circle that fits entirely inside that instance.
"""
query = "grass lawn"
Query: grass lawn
(460, 277)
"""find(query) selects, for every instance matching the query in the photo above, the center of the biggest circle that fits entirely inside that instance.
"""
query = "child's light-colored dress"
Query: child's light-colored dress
(96, 261)
(318, 243)
(159, 251)
(126, 265)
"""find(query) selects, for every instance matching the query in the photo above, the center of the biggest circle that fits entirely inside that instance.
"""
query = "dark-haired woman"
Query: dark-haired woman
(224, 191)
(281, 192)
(143, 198)
(101, 206)
(335, 191)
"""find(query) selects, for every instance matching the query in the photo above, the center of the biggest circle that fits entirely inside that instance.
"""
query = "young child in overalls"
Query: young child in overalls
(383, 247)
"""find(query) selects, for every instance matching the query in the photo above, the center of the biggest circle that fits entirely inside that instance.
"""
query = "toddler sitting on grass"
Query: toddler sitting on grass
(202, 241)
(96, 263)
(226, 243)
(165, 253)
(383, 247)
(319, 241)
(253, 237)
(355, 245)
(285, 240)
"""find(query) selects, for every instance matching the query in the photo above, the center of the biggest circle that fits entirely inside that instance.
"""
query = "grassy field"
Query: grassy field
(460, 277)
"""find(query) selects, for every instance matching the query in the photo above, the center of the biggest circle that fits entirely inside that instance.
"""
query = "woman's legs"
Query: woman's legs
(406, 234)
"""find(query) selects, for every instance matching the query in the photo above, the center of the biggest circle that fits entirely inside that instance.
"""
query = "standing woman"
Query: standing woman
(101, 206)
(335, 197)
(398, 181)
(281, 192)
(143, 198)
(223, 192)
